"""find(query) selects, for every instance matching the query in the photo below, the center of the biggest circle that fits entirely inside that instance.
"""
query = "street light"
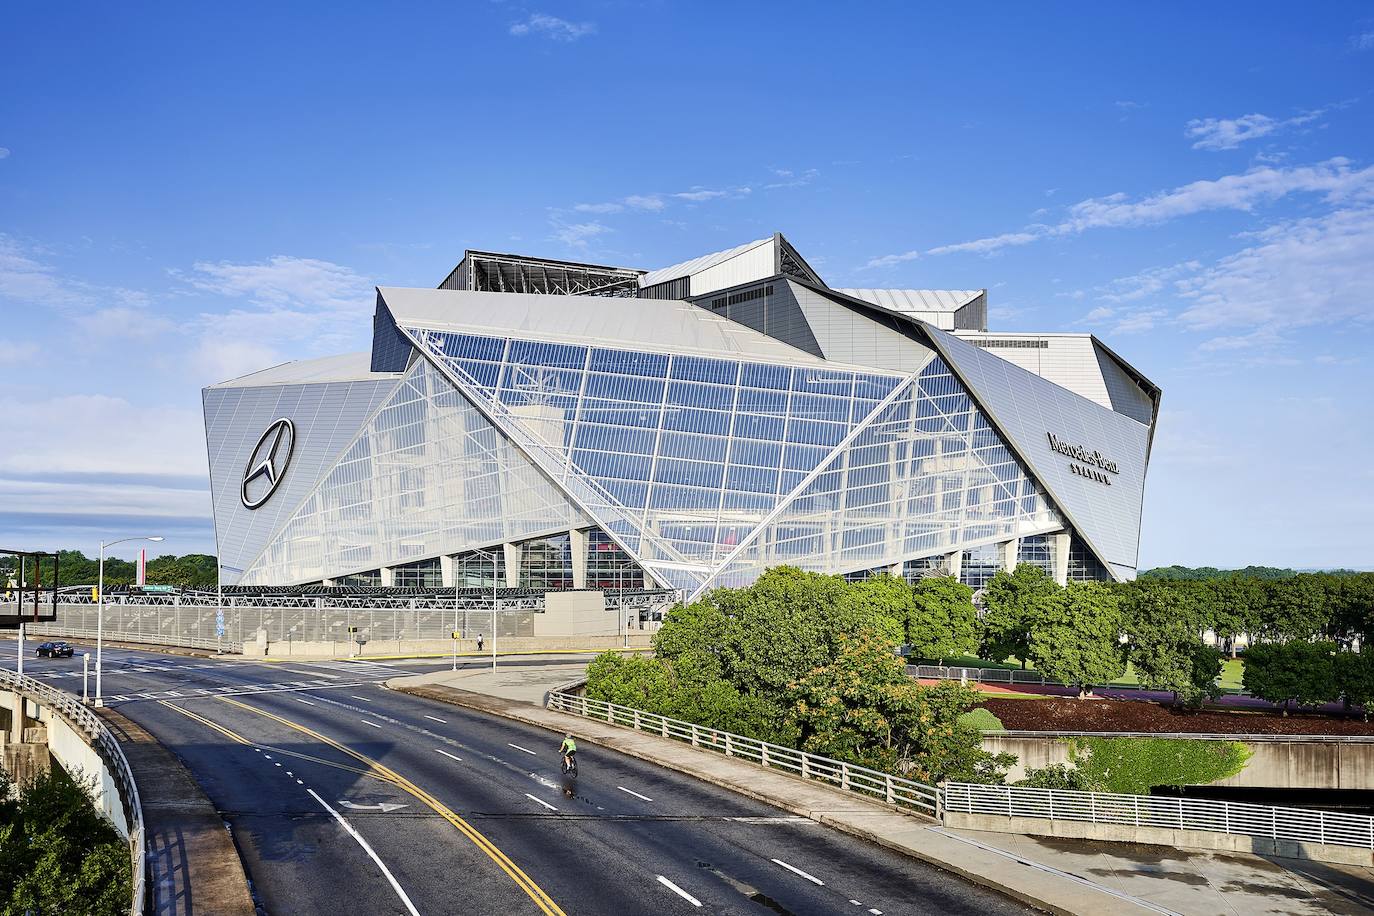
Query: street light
(100, 610)
(495, 574)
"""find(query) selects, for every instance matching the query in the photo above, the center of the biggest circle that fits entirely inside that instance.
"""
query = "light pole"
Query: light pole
(495, 575)
(100, 609)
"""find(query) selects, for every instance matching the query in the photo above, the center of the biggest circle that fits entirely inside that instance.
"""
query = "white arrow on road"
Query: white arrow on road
(384, 807)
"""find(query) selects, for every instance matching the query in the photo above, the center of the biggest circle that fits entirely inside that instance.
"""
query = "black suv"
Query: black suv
(54, 650)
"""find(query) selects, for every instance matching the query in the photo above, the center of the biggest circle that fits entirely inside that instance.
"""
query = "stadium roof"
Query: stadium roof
(916, 300)
(346, 367)
(663, 324)
(697, 265)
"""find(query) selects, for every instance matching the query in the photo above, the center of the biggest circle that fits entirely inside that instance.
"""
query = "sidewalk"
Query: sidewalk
(193, 867)
(1059, 876)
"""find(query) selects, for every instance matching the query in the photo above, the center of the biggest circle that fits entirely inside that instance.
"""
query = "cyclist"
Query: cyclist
(568, 749)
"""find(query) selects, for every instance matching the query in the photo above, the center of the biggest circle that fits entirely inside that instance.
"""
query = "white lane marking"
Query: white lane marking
(437, 719)
(856, 903)
(369, 722)
(306, 702)
(540, 801)
(795, 870)
(356, 697)
(440, 750)
(368, 849)
(1054, 871)
(519, 748)
(634, 793)
(332, 677)
(875, 912)
(679, 891)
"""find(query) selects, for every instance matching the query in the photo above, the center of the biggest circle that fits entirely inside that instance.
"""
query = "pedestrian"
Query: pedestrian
(479, 642)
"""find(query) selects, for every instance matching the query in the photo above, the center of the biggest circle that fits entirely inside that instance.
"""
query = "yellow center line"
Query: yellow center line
(522, 880)
(234, 736)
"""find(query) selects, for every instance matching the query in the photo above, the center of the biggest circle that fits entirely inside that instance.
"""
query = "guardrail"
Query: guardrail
(848, 777)
(154, 639)
(993, 676)
(104, 743)
(1303, 825)
(1191, 736)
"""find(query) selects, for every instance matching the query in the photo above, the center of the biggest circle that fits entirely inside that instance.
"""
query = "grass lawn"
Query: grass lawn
(1232, 670)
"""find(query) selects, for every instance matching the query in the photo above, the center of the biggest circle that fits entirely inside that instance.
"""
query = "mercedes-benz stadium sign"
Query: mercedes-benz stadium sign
(268, 463)
(1079, 453)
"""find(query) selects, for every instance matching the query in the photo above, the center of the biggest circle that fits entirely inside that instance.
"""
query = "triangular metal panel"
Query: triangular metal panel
(427, 475)
(1102, 505)
(326, 417)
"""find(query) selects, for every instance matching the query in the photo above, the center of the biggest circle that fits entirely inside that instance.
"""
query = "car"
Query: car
(54, 650)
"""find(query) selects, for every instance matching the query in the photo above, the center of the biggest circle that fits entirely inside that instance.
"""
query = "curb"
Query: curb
(466, 699)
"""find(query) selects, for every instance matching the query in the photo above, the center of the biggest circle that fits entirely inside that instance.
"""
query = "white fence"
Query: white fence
(848, 777)
(1293, 824)
(1188, 736)
(98, 736)
(1303, 825)
(987, 675)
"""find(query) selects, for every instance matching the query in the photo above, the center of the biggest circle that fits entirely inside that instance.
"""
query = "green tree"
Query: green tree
(889, 597)
(941, 621)
(1077, 637)
(1301, 672)
(1011, 602)
(1354, 674)
(1162, 623)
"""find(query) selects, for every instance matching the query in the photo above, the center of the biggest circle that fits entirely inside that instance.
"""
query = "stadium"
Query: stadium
(552, 427)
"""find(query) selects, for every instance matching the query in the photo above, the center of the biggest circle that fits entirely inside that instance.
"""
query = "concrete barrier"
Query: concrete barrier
(1161, 836)
(1290, 763)
(468, 647)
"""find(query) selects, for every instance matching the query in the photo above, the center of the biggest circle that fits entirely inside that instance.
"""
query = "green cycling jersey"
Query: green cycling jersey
(569, 746)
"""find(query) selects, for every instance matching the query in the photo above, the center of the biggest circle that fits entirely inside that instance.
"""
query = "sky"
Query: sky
(189, 193)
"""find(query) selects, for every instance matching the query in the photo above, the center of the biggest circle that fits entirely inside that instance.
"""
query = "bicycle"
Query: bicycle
(570, 764)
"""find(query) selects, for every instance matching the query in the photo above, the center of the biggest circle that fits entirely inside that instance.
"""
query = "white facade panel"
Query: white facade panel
(757, 263)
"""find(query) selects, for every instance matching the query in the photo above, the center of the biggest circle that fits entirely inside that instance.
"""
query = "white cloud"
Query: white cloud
(1363, 42)
(576, 235)
(26, 277)
(1146, 283)
(18, 352)
(697, 195)
(648, 202)
(552, 27)
(888, 260)
(1099, 314)
(1302, 272)
(314, 305)
(1229, 133)
(1138, 321)
(1335, 180)
(113, 436)
(786, 178)
(4, 153)
(124, 321)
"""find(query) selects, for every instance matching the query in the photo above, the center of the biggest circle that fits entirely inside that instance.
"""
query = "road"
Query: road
(344, 797)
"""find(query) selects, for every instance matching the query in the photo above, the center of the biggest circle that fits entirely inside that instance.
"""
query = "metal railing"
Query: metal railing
(99, 738)
(848, 777)
(992, 676)
(1190, 736)
(152, 639)
(1302, 825)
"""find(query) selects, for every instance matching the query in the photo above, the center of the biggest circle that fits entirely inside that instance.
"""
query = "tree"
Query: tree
(1294, 608)
(1302, 672)
(1077, 636)
(1010, 604)
(889, 597)
(941, 620)
(863, 709)
(1165, 646)
(1354, 674)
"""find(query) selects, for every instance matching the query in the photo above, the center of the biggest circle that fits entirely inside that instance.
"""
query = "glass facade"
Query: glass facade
(979, 565)
(480, 570)
(425, 574)
(1037, 550)
(547, 563)
(1083, 566)
(609, 567)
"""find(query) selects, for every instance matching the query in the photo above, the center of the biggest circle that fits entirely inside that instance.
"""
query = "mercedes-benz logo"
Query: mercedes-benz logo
(269, 460)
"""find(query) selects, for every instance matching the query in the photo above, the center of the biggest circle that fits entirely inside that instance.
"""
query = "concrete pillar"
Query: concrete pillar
(512, 555)
(1059, 548)
(896, 569)
(954, 562)
(446, 571)
(330, 582)
(16, 705)
(577, 543)
(388, 576)
(1007, 553)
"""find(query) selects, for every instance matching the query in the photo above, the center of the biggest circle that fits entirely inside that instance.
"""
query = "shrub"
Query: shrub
(1132, 766)
(1054, 776)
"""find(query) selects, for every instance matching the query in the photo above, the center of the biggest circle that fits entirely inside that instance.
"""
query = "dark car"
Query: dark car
(54, 650)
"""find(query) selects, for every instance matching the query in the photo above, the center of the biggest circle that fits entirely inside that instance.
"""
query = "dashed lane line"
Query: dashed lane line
(395, 885)
(369, 722)
(437, 719)
(519, 748)
(440, 750)
(634, 793)
(679, 891)
(797, 871)
(540, 801)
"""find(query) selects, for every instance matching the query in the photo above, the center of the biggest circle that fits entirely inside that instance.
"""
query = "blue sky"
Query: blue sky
(188, 194)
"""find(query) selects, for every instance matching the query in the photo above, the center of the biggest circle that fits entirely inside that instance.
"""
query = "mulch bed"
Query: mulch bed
(1060, 714)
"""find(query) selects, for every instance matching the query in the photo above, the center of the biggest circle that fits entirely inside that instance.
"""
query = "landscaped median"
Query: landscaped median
(868, 818)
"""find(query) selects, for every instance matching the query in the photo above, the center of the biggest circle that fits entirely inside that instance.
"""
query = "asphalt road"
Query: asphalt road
(344, 797)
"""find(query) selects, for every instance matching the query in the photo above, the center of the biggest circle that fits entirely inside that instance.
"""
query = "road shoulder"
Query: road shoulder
(193, 864)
